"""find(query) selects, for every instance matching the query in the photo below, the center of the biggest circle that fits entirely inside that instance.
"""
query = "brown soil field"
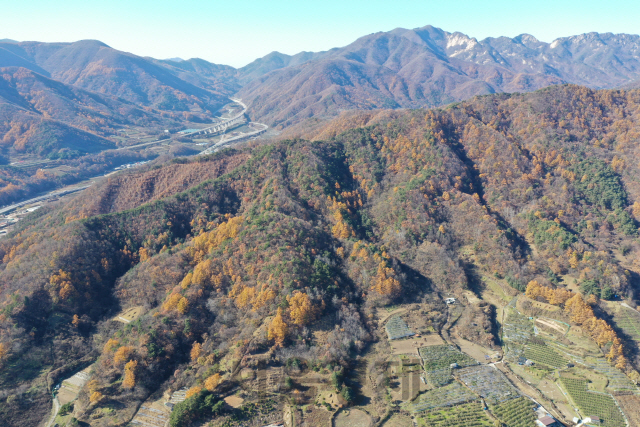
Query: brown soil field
(411, 345)
(536, 304)
(71, 386)
(471, 297)
(329, 396)
(552, 324)
(398, 420)
(352, 418)
(234, 401)
(130, 314)
(316, 417)
(630, 405)
(476, 351)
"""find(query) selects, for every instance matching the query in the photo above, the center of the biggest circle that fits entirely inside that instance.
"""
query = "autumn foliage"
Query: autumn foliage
(278, 329)
(130, 374)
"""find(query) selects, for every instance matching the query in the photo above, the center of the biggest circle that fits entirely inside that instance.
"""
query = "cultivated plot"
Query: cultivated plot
(541, 353)
(449, 395)
(466, 415)
(488, 383)
(397, 328)
(592, 403)
(516, 412)
(438, 361)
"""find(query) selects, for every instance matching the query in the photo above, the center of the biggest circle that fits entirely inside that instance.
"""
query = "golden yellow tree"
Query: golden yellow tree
(144, 254)
(130, 374)
(4, 350)
(172, 302)
(278, 329)
(212, 382)
(110, 346)
(385, 282)
(186, 281)
(122, 354)
(183, 305)
(193, 391)
(96, 396)
(533, 290)
(301, 310)
(196, 351)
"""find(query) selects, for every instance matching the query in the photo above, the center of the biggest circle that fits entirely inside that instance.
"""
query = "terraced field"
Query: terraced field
(437, 361)
(488, 383)
(466, 415)
(545, 355)
(516, 332)
(516, 412)
(591, 403)
(450, 395)
(629, 321)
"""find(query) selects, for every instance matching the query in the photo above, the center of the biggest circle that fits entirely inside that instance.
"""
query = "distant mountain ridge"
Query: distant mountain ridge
(402, 68)
(429, 67)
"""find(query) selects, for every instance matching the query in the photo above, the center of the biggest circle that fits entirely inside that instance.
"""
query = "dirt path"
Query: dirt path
(391, 313)
(56, 408)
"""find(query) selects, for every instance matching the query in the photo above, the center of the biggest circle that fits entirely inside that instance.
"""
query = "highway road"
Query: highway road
(224, 142)
(72, 189)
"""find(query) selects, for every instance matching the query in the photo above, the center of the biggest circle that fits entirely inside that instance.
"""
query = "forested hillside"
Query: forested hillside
(241, 257)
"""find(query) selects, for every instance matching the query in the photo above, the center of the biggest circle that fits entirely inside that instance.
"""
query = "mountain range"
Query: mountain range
(402, 68)
(430, 67)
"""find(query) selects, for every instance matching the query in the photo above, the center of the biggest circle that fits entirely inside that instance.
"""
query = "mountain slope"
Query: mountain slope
(28, 99)
(92, 65)
(427, 67)
(391, 207)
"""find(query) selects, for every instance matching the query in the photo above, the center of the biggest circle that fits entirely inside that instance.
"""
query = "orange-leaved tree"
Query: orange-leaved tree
(278, 329)
(196, 351)
(130, 374)
(212, 382)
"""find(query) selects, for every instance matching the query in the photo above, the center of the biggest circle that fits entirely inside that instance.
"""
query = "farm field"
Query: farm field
(630, 404)
(629, 321)
(488, 383)
(398, 420)
(437, 360)
(544, 354)
(591, 403)
(129, 315)
(352, 418)
(466, 415)
(397, 328)
(516, 412)
(449, 395)
(516, 331)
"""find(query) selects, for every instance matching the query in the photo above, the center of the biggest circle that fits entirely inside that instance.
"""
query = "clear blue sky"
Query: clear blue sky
(235, 32)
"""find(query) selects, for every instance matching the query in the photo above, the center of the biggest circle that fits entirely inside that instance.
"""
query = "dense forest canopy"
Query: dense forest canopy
(242, 253)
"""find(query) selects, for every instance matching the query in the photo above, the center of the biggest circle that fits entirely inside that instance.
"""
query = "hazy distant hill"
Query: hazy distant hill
(198, 72)
(428, 66)
(93, 65)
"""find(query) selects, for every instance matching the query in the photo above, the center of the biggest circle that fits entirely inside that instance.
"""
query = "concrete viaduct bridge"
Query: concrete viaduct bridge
(222, 126)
